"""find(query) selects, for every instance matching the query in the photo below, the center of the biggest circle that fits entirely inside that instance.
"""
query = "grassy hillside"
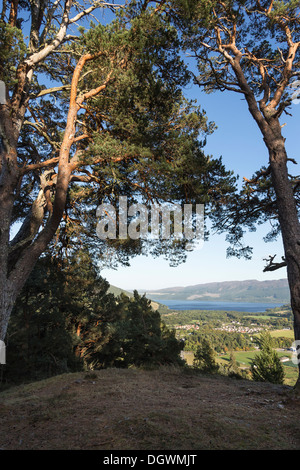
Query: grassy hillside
(231, 291)
(118, 291)
(165, 409)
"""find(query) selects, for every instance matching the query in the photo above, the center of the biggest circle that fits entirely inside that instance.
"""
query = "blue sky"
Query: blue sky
(240, 144)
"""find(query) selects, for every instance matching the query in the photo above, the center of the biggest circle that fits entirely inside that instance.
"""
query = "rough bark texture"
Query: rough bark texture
(18, 257)
(289, 223)
(8, 181)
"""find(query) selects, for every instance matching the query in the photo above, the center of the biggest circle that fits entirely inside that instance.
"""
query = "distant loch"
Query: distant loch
(254, 307)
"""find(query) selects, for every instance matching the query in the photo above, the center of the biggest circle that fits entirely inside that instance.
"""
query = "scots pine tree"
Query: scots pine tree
(88, 112)
(252, 48)
(205, 357)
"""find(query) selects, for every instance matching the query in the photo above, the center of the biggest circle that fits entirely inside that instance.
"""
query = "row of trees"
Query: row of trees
(92, 113)
(67, 320)
(221, 340)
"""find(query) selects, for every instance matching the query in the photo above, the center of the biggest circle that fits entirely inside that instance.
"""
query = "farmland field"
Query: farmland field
(244, 358)
(285, 333)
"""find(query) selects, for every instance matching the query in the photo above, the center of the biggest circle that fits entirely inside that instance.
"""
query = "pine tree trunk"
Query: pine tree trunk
(289, 223)
(267, 119)
(17, 261)
(8, 181)
(6, 305)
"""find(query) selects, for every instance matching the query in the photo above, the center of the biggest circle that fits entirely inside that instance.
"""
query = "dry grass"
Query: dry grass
(165, 409)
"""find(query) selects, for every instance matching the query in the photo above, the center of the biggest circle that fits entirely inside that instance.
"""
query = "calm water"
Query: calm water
(227, 306)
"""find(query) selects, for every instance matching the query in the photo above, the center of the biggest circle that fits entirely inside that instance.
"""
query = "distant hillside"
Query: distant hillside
(118, 291)
(228, 291)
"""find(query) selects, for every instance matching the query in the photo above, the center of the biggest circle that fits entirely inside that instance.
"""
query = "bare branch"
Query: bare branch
(53, 90)
(89, 10)
(271, 266)
(37, 57)
(42, 133)
(37, 166)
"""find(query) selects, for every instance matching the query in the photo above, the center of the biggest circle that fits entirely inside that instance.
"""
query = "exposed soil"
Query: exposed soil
(165, 409)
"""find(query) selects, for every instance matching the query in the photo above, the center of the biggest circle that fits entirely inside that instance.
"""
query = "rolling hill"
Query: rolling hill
(118, 291)
(227, 291)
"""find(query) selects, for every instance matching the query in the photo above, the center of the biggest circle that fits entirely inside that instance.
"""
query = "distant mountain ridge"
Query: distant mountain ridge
(227, 291)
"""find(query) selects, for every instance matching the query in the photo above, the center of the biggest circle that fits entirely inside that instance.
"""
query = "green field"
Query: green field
(285, 333)
(280, 334)
(244, 358)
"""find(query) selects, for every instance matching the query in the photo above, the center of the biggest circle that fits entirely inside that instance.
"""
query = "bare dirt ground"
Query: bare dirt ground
(165, 409)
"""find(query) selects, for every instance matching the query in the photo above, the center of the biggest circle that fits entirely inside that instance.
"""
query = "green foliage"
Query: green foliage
(66, 320)
(12, 50)
(144, 138)
(139, 337)
(221, 340)
(266, 366)
(205, 358)
(38, 343)
(233, 367)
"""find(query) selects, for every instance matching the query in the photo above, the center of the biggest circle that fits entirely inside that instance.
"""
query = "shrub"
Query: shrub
(266, 365)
